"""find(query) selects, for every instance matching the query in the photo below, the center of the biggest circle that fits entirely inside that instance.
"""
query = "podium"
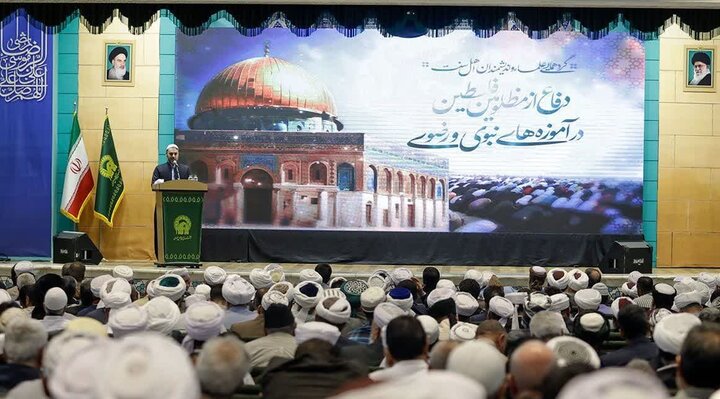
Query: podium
(178, 221)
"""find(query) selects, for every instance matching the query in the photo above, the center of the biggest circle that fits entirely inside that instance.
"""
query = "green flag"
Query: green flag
(110, 188)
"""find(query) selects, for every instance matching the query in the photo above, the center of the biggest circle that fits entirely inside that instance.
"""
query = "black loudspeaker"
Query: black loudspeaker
(627, 256)
(71, 246)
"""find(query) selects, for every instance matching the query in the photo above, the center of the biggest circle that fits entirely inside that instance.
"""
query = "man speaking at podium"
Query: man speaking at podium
(171, 170)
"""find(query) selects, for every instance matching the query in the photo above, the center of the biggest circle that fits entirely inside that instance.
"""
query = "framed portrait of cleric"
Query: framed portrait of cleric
(699, 64)
(119, 64)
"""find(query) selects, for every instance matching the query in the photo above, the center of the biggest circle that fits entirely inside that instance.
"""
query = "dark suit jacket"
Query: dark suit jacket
(706, 81)
(162, 171)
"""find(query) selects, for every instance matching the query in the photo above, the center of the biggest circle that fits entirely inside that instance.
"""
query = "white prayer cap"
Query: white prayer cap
(614, 383)
(620, 303)
(272, 297)
(402, 297)
(431, 327)
(204, 290)
(307, 294)
(171, 286)
(276, 271)
(465, 304)
(376, 280)
(634, 276)
(578, 280)
(260, 278)
(473, 274)
(571, 350)
(123, 271)
(172, 146)
(336, 313)
(97, 283)
(5, 297)
(163, 315)
(310, 275)
(629, 289)
(128, 320)
(588, 299)
(463, 331)
(687, 299)
(400, 274)
(431, 385)
(237, 291)
(385, 313)
(501, 307)
(24, 266)
(316, 330)
(214, 275)
(284, 287)
(480, 361)
(193, 298)
(592, 322)
(55, 299)
(146, 365)
(333, 293)
(180, 271)
(445, 283)
(439, 294)
(63, 345)
(664, 289)
(538, 270)
(602, 289)
(64, 382)
(708, 279)
(559, 302)
(372, 297)
(204, 320)
(558, 278)
(670, 332)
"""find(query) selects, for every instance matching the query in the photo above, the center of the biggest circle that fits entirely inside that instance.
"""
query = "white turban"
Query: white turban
(473, 274)
(204, 320)
(480, 361)
(123, 271)
(64, 382)
(664, 289)
(310, 275)
(146, 365)
(115, 293)
(709, 280)
(445, 283)
(629, 289)
(571, 350)
(634, 276)
(463, 332)
(376, 280)
(204, 290)
(128, 320)
(578, 280)
(24, 266)
(559, 302)
(430, 385)
(501, 307)
(237, 291)
(703, 290)
(486, 277)
(277, 274)
(63, 345)
(670, 332)
(439, 294)
(431, 327)
(214, 275)
(316, 330)
(625, 383)
(465, 304)
(171, 286)
(402, 297)
(307, 300)
(260, 278)
(288, 292)
(592, 322)
(274, 297)
(335, 280)
(400, 274)
(97, 283)
(180, 271)
(588, 299)
(517, 298)
(163, 315)
(558, 278)
(657, 315)
(337, 313)
(385, 313)
(687, 299)
(193, 298)
(372, 297)
(602, 289)
(620, 303)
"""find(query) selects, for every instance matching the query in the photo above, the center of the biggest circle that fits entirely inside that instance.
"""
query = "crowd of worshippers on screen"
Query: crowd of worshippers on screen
(567, 334)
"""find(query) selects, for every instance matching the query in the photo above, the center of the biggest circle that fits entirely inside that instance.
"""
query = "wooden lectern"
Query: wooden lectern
(178, 217)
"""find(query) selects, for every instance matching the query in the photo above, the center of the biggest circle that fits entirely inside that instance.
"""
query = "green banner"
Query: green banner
(110, 187)
(182, 224)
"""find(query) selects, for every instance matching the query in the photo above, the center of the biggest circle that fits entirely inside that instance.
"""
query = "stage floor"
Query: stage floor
(509, 275)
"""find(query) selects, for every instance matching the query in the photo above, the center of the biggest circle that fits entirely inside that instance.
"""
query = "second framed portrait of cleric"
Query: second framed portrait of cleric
(119, 64)
(699, 63)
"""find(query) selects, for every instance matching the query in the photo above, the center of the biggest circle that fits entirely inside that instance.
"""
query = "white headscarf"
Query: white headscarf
(214, 275)
(260, 278)
(237, 291)
(163, 315)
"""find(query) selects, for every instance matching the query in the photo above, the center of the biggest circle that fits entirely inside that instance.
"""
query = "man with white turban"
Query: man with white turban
(163, 315)
(286, 288)
(277, 273)
(500, 309)
(558, 278)
(214, 275)
(431, 327)
(572, 350)
(430, 385)
(613, 383)
(463, 331)
(317, 330)
(238, 293)
(537, 278)
(171, 286)
(336, 312)
(587, 300)
(466, 305)
(203, 320)
(114, 294)
(689, 302)
(260, 278)
(578, 280)
(669, 335)
(129, 320)
(204, 290)
(402, 297)
(629, 289)
(95, 287)
(122, 271)
(400, 274)
(64, 382)
(310, 275)
(620, 303)
(634, 276)
(306, 295)
(480, 361)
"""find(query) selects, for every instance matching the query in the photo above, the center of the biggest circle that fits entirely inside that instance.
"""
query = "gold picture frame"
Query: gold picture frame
(119, 54)
(699, 64)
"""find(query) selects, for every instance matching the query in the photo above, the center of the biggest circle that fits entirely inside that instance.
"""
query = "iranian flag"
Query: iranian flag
(78, 179)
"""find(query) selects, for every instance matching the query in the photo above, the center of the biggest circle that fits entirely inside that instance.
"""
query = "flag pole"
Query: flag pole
(75, 225)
